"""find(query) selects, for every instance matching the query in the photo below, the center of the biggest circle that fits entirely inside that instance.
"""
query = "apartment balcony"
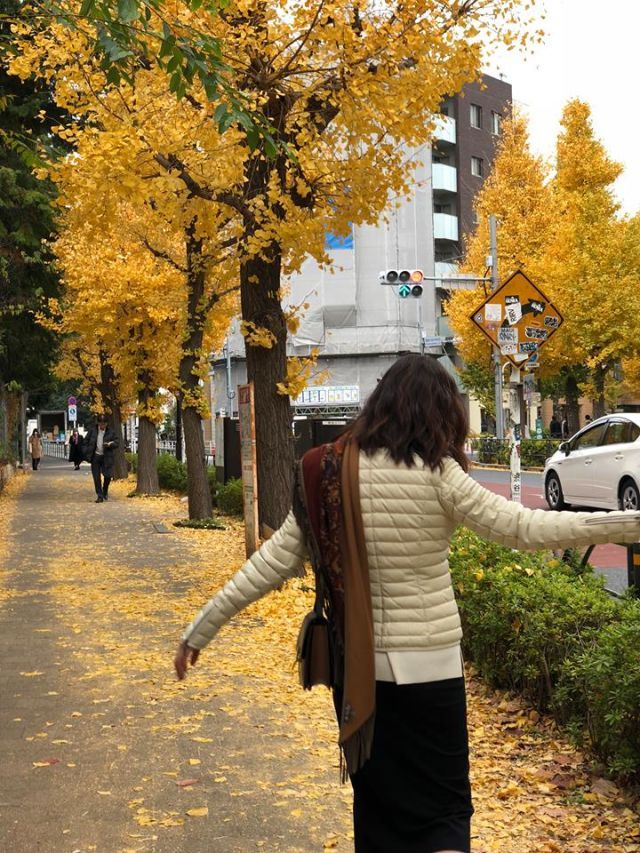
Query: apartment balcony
(444, 177)
(444, 269)
(443, 328)
(445, 129)
(449, 278)
(445, 226)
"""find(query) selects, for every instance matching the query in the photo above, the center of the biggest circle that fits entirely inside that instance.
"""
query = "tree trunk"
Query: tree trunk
(259, 289)
(147, 483)
(599, 403)
(571, 395)
(200, 504)
(109, 390)
(178, 431)
(199, 494)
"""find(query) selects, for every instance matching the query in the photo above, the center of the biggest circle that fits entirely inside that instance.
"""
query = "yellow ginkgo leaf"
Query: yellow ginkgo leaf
(203, 811)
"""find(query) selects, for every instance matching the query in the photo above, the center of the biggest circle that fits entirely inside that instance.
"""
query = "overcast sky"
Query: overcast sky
(592, 52)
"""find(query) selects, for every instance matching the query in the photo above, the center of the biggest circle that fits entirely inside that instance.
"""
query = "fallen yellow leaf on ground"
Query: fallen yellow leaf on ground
(201, 812)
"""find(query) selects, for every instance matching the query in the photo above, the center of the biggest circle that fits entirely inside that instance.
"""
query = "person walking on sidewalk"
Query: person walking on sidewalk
(75, 449)
(375, 512)
(98, 449)
(35, 449)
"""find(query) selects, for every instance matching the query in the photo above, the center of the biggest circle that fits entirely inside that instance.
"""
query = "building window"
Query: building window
(475, 115)
(496, 123)
(477, 166)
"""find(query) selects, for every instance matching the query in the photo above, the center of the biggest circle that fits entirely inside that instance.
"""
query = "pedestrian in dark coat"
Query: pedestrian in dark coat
(555, 430)
(75, 449)
(98, 448)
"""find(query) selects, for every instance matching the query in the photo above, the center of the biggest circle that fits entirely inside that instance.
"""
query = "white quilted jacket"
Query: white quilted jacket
(409, 515)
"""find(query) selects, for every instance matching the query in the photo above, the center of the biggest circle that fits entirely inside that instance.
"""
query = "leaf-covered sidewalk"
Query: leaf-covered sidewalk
(104, 750)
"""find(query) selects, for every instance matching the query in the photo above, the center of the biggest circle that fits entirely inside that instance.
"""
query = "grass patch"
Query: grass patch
(200, 523)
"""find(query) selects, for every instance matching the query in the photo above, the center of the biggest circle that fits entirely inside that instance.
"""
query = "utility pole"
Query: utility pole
(493, 249)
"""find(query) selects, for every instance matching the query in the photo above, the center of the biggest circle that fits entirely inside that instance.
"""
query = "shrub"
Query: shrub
(200, 524)
(524, 615)
(599, 689)
(494, 451)
(229, 498)
(550, 631)
(171, 473)
(214, 484)
(132, 462)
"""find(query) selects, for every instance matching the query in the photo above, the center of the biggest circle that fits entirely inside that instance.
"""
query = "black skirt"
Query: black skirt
(413, 795)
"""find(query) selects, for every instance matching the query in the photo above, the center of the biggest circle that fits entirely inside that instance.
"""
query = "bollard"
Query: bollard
(633, 568)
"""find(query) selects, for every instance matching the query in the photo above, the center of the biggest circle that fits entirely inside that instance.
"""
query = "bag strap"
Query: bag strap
(318, 604)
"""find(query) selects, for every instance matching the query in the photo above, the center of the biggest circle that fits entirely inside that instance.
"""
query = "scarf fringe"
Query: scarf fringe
(356, 751)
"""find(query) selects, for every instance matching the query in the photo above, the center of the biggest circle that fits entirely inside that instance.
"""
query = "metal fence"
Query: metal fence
(57, 449)
(170, 447)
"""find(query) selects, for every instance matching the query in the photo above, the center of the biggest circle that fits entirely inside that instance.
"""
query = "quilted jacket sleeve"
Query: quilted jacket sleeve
(279, 558)
(513, 525)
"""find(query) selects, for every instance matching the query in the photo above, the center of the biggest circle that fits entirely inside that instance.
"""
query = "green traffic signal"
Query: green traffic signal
(404, 290)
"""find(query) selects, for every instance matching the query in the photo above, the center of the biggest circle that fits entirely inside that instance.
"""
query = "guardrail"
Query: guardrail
(57, 449)
(170, 447)
(489, 450)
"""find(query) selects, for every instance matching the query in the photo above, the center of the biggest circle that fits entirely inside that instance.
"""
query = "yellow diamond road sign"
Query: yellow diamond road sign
(517, 318)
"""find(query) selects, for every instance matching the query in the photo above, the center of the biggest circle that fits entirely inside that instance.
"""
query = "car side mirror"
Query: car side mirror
(565, 447)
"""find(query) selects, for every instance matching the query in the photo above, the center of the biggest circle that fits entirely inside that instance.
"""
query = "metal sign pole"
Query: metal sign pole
(493, 245)
(633, 568)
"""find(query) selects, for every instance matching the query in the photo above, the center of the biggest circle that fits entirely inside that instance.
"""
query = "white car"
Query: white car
(598, 467)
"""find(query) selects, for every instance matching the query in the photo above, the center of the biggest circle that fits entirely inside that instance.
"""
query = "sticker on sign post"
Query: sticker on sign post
(536, 333)
(493, 312)
(507, 335)
(513, 309)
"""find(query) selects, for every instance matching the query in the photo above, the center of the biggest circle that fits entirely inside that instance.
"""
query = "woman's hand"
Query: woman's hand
(184, 656)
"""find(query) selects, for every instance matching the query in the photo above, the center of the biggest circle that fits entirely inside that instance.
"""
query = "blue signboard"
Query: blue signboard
(333, 241)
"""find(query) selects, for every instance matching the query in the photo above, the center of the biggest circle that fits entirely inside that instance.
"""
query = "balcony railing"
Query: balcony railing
(445, 130)
(444, 177)
(443, 327)
(445, 226)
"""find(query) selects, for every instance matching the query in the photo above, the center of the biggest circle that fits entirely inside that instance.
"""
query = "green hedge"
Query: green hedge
(495, 451)
(171, 473)
(229, 498)
(550, 631)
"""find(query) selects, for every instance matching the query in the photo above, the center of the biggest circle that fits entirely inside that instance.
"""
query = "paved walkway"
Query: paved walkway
(101, 748)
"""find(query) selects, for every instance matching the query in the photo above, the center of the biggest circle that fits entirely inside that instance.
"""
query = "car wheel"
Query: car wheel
(629, 495)
(553, 492)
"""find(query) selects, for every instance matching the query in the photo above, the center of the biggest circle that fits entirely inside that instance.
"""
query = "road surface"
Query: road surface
(609, 560)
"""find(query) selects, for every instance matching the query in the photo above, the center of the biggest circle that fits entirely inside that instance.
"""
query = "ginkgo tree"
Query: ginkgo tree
(117, 293)
(142, 282)
(518, 194)
(565, 232)
(588, 272)
(347, 89)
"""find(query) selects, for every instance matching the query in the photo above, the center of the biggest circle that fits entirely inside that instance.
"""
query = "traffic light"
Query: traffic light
(408, 282)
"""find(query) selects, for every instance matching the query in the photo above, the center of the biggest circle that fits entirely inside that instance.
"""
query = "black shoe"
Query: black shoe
(106, 496)
(99, 499)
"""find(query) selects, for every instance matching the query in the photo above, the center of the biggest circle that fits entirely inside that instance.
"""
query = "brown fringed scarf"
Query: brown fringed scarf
(327, 509)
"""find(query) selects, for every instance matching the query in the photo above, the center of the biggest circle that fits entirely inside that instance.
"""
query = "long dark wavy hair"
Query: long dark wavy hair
(416, 409)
